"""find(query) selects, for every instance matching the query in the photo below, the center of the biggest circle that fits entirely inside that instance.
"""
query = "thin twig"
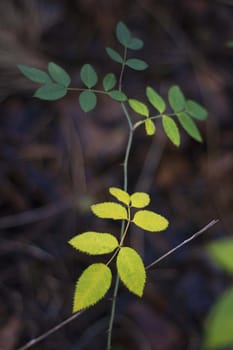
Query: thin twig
(195, 235)
(50, 332)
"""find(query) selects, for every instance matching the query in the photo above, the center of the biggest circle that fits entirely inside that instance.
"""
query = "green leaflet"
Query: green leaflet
(94, 243)
(176, 98)
(88, 76)
(150, 221)
(114, 55)
(155, 99)
(123, 34)
(91, 286)
(171, 130)
(110, 210)
(150, 127)
(50, 91)
(87, 100)
(221, 251)
(117, 95)
(34, 74)
(219, 324)
(189, 126)
(58, 74)
(135, 44)
(136, 64)
(139, 107)
(120, 195)
(196, 110)
(139, 199)
(109, 81)
(131, 270)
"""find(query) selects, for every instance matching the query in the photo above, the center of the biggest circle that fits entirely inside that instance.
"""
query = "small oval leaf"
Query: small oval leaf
(87, 100)
(50, 92)
(94, 243)
(222, 252)
(88, 75)
(131, 270)
(117, 95)
(171, 129)
(123, 34)
(139, 107)
(109, 210)
(176, 98)
(136, 64)
(59, 74)
(114, 55)
(109, 81)
(155, 99)
(196, 110)
(135, 44)
(91, 286)
(35, 74)
(150, 221)
(189, 126)
(150, 127)
(120, 195)
(140, 199)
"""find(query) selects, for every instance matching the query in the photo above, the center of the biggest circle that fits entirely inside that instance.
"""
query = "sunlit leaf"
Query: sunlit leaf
(114, 55)
(150, 127)
(123, 34)
(219, 324)
(109, 210)
(189, 126)
(35, 74)
(135, 44)
(139, 107)
(92, 286)
(88, 75)
(150, 221)
(196, 110)
(139, 199)
(176, 98)
(120, 195)
(94, 243)
(136, 64)
(131, 270)
(171, 130)
(222, 252)
(117, 95)
(59, 74)
(155, 99)
(87, 100)
(50, 92)
(109, 81)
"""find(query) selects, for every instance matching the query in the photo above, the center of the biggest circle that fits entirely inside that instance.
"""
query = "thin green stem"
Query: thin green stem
(92, 90)
(158, 116)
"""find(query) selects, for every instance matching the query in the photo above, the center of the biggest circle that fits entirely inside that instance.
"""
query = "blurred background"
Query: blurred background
(56, 160)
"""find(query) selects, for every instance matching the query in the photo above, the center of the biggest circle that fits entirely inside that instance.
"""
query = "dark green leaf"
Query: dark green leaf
(196, 110)
(51, 92)
(117, 95)
(171, 130)
(88, 75)
(176, 98)
(136, 64)
(87, 100)
(114, 55)
(34, 74)
(135, 44)
(155, 99)
(189, 126)
(59, 74)
(109, 81)
(123, 34)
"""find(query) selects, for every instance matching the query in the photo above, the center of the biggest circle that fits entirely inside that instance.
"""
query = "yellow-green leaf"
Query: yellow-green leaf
(120, 195)
(91, 286)
(171, 130)
(150, 127)
(131, 270)
(222, 252)
(139, 107)
(155, 99)
(150, 221)
(94, 243)
(139, 199)
(109, 210)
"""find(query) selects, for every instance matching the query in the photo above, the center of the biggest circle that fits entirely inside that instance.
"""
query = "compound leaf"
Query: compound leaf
(87, 100)
(117, 95)
(135, 44)
(219, 324)
(94, 243)
(189, 126)
(34, 74)
(155, 99)
(88, 75)
(109, 210)
(136, 64)
(59, 74)
(139, 107)
(123, 34)
(91, 286)
(120, 195)
(131, 270)
(114, 55)
(171, 130)
(139, 199)
(196, 110)
(109, 81)
(222, 252)
(50, 91)
(150, 127)
(176, 98)
(150, 221)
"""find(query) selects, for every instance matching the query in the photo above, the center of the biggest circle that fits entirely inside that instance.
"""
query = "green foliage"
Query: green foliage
(88, 75)
(109, 210)
(117, 95)
(222, 252)
(59, 74)
(139, 199)
(50, 92)
(176, 98)
(136, 64)
(155, 99)
(150, 221)
(114, 55)
(196, 110)
(109, 81)
(139, 107)
(34, 74)
(189, 126)
(171, 130)
(150, 127)
(123, 34)
(87, 100)
(120, 195)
